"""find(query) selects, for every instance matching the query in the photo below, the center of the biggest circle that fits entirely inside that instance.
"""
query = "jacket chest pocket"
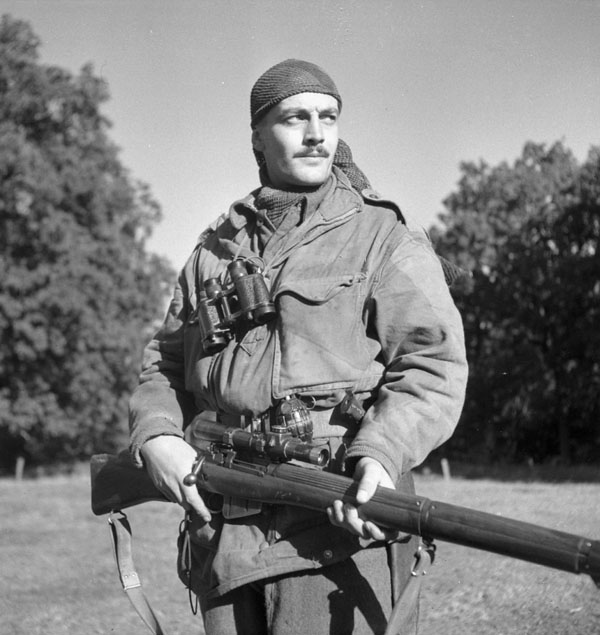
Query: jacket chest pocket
(321, 333)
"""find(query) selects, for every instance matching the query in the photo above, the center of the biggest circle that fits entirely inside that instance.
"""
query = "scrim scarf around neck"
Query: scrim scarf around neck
(277, 203)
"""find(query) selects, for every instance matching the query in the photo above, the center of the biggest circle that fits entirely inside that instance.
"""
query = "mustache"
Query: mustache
(316, 151)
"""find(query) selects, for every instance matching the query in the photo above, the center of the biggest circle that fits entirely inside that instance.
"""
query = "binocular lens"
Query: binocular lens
(214, 343)
(264, 313)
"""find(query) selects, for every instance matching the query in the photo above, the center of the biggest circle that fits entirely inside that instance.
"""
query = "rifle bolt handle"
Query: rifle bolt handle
(190, 479)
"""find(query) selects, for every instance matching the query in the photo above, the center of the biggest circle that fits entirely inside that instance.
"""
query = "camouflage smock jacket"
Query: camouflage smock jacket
(362, 304)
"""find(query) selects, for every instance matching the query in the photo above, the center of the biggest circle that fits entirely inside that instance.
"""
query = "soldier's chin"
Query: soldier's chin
(312, 178)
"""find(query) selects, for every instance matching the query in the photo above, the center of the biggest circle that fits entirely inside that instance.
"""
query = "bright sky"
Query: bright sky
(425, 85)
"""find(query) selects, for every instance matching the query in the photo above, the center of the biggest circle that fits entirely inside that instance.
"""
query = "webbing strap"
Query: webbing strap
(405, 603)
(120, 531)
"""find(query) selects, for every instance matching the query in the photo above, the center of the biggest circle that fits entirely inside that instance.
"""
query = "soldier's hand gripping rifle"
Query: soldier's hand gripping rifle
(254, 465)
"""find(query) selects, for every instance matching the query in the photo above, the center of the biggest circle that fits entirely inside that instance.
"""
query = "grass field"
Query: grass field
(58, 576)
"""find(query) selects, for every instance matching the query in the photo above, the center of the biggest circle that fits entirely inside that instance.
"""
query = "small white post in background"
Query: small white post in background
(445, 469)
(19, 468)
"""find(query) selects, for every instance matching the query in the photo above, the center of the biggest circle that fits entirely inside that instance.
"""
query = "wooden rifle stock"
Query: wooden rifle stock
(118, 484)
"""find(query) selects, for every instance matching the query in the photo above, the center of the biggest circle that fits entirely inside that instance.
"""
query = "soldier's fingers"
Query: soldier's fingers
(191, 499)
(336, 513)
(376, 533)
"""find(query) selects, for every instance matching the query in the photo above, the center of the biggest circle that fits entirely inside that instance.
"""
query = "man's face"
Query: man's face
(298, 138)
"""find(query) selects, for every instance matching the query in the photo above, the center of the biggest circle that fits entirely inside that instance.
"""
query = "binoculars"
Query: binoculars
(246, 299)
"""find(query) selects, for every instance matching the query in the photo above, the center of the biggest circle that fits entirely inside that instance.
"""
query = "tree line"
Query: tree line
(528, 233)
(80, 293)
(78, 290)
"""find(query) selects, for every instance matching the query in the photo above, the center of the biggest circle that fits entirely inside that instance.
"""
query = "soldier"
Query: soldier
(362, 305)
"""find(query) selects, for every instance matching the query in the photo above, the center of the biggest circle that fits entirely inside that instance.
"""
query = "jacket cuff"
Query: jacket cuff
(152, 428)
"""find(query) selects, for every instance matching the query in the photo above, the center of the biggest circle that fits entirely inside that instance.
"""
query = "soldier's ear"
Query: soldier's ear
(257, 142)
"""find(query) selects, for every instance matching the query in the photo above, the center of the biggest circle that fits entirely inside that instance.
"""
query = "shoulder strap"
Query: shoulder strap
(120, 531)
(374, 198)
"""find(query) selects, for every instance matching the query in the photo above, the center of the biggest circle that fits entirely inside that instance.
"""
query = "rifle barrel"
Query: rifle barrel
(118, 484)
(417, 515)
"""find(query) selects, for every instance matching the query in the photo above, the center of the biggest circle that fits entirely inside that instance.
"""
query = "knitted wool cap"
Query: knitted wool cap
(285, 79)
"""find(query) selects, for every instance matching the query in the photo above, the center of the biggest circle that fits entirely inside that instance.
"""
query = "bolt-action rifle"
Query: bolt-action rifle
(249, 468)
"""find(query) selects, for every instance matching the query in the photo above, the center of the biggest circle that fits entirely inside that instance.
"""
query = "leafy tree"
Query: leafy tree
(78, 290)
(529, 234)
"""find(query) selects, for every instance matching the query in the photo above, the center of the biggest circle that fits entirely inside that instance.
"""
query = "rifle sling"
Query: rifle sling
(120, 531)
(404, 604)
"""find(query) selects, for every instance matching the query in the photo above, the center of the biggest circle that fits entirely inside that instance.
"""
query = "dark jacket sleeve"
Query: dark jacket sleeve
(422, 345)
